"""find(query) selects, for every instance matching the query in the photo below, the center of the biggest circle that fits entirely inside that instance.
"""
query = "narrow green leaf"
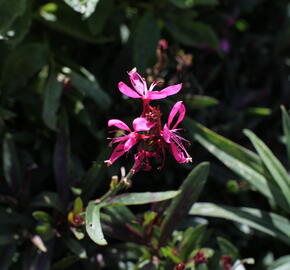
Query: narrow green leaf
(286, 129)
(193, 33)
(227, 248)
(276, 169)
(99, 18)
(183, 3)
(144, 48)
(93, 224)
(9, 11)
(191, 240)
(52, 96)
(243, 162)
(283, 263)
(197, 102)
(78, 206)
(48, 199)
(59, 17)
(92, 89)
(11, 166)
(141, 198)
(179, 207)
(75, 247)
(206, 2)
(30, 58)
(94, 176)
(266, 222)
(65, 262)
(6, 256)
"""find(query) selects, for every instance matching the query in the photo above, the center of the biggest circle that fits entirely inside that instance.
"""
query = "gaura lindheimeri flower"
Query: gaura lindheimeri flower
(170, 134)
(141, 90)
(126, 141)
(148, 135)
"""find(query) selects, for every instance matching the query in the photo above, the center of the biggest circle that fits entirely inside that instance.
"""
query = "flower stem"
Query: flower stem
(124, 183)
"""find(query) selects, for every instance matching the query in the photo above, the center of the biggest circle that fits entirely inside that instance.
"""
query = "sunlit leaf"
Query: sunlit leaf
(286, 129)
(276, 169)
(266, 222)
(141, 198)
(240, 160)
(85, 7)
(93, 224)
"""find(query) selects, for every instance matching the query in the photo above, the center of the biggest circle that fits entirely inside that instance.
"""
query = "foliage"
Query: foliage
(59, 204)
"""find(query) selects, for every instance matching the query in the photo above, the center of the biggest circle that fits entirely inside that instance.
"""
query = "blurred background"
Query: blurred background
(60, 65)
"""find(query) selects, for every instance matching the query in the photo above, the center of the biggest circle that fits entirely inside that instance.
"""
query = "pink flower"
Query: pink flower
(127, 141)
(141, 90)
(170, 134)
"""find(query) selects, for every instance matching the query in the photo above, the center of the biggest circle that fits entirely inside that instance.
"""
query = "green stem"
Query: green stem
(125, 182)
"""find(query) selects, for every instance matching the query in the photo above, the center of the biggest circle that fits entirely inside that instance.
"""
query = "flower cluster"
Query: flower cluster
(148, 134)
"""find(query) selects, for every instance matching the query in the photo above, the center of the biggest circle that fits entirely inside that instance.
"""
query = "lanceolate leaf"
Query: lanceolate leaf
(269, 223)
(276, 169)
(283, 263)
(93, 224)
(11, 166)
(52, 96)
(141, 198)
(240, 160)
(9, 11)
(92, 89)
(179, 207)
(144, 47)
(286, 129)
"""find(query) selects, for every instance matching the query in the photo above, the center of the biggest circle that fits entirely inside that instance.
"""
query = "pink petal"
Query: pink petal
(168, 91)
(117, 152)
(177, 108)
(119, 124)
(138, 82)
(126, 90)
(141, 124)
(178, 153)
(132, 140)
(166, 134)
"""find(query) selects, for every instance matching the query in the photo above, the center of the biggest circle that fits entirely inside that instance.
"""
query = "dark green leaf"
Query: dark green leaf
(11, 166)
(30, 58)
(6, 256)
(179, 207)
(9, 11)
(197, 102)
(94, 177)
(75, 247)
(63, 19)
(65, 262)
(145, 41)
(48, 199)
(98, 19)
(183, 3)
(193, 33)
(91, 88)
(227, 248)
(52, 97)
(191, 241)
